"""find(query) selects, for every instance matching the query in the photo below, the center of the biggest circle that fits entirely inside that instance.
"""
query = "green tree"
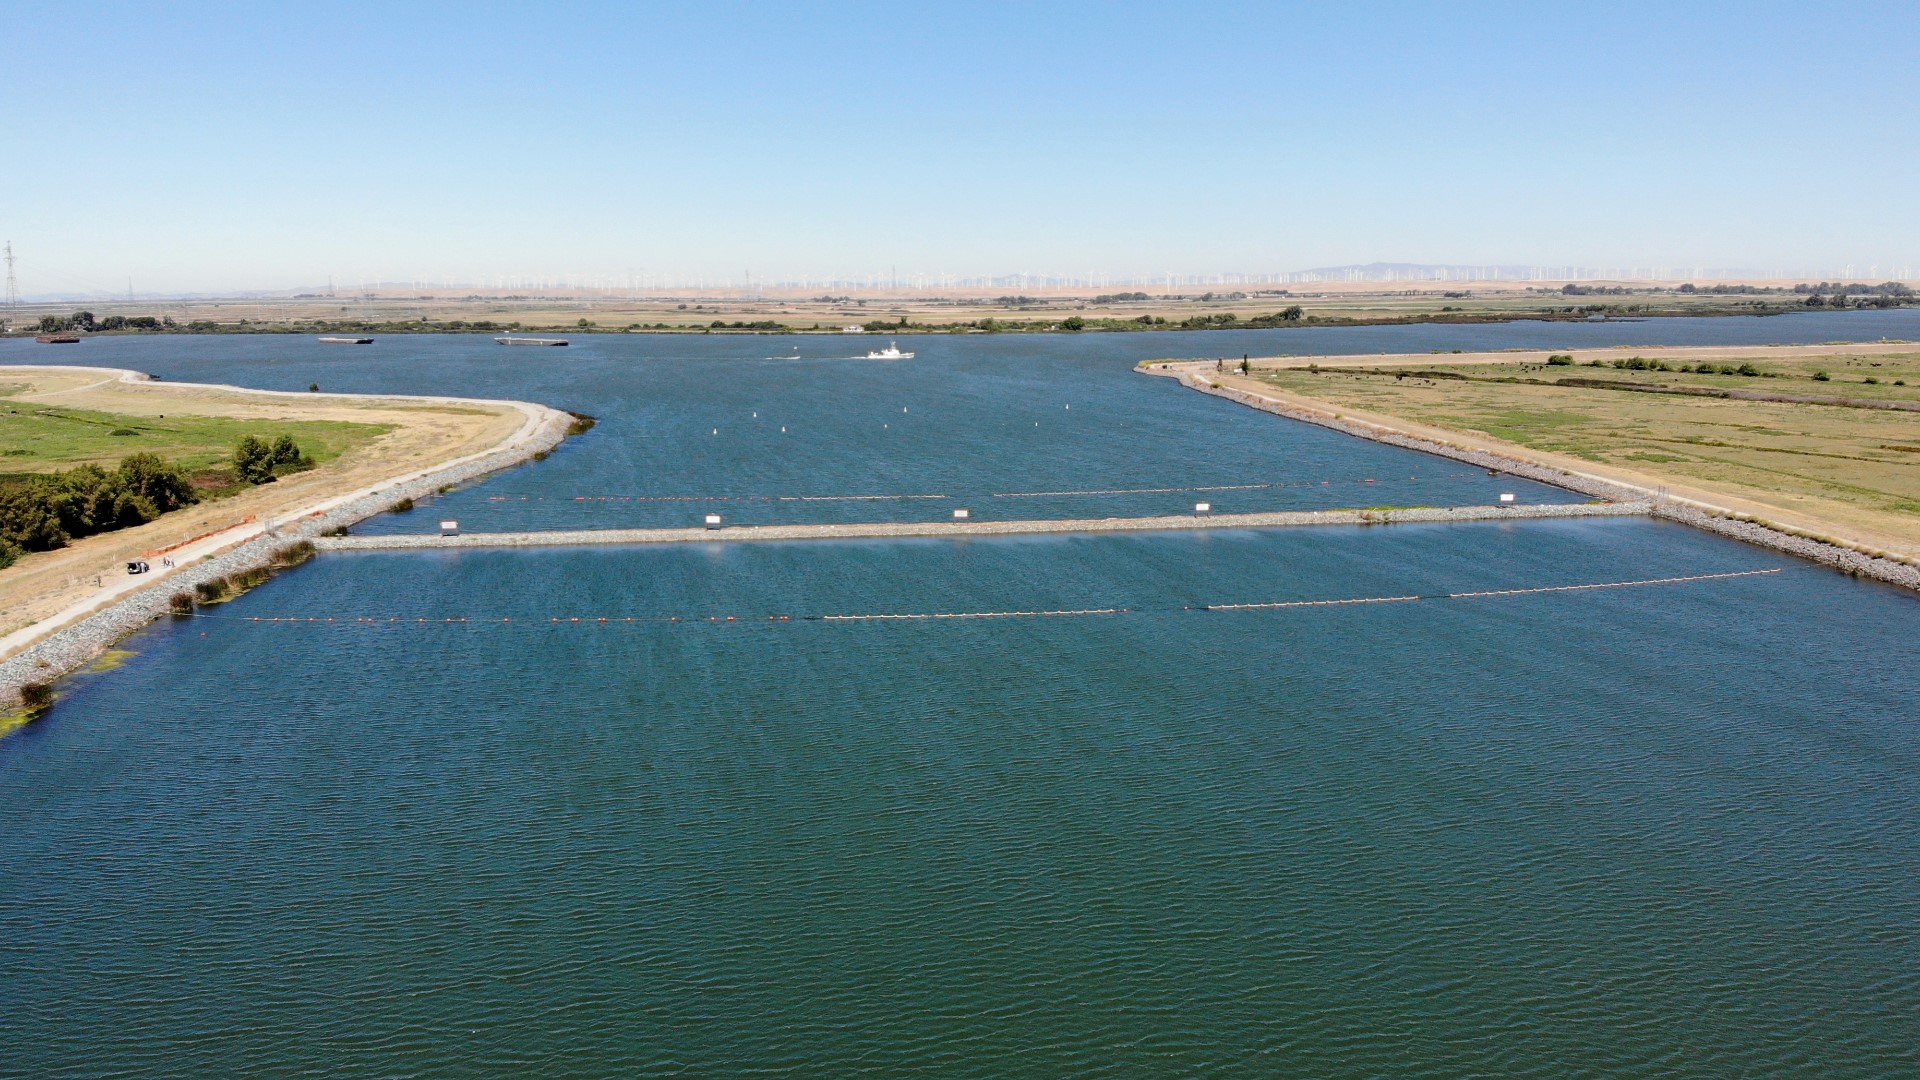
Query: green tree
(285, 451)
(1073, 322)
(163, 485)
(253, 460)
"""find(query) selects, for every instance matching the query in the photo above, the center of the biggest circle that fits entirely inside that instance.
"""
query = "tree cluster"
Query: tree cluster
(256, 461)
(40, 513)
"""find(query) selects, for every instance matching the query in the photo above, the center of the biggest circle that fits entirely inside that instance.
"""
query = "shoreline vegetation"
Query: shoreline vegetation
(62, 608)
(1822, 475)
(1125, 312)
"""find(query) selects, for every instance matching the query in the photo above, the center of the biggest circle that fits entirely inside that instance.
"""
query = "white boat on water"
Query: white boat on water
(891, 352)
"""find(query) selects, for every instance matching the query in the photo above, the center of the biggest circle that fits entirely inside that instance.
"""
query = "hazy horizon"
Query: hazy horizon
(228, 149)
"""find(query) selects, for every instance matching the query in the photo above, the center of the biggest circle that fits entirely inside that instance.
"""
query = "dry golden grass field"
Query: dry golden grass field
(1847, 472)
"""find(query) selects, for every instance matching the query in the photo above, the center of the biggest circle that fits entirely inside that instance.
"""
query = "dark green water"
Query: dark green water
(1637, 831)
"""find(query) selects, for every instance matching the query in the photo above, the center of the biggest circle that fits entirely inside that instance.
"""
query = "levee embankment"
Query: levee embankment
(750, 533)
(59, 646)
(1701, 515)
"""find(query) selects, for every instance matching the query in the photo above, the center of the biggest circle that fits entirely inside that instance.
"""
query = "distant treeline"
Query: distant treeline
(1763, 300)
(84, 320)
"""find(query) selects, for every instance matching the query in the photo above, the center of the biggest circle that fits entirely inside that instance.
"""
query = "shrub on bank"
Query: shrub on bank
(293, 554)
(241, 580)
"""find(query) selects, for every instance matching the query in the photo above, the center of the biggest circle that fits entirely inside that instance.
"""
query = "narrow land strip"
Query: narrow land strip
(1691, 353)
(751, 533)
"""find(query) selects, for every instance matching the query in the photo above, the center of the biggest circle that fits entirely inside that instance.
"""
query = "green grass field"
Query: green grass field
(38, 438)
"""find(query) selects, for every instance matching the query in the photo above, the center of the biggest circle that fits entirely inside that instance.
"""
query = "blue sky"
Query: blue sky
(267, 146)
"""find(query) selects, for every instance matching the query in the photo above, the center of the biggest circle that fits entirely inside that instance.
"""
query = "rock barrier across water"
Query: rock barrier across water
(746, 533)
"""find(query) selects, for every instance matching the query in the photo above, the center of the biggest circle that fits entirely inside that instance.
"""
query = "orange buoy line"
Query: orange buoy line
(1274, 605)
(1309, 603)
(852, 498)
(972, 615)
(1612, 584)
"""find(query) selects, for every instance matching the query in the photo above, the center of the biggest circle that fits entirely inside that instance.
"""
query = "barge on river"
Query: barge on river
(512, 340)
(346, 341)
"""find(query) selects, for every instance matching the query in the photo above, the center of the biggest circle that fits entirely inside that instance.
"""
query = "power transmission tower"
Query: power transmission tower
(13, 287)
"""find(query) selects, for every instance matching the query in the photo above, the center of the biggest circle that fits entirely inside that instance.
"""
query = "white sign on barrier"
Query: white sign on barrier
(962, 514)
(713, 521)
(1202, 508)
(448, 528)
(1506, 496)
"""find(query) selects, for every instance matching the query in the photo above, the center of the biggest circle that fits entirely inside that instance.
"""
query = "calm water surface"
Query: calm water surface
(1636, 831)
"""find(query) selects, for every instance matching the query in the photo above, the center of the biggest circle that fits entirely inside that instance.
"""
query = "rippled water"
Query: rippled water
(1640, 831)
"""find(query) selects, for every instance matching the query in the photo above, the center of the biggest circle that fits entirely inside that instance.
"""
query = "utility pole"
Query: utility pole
(13, 287)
